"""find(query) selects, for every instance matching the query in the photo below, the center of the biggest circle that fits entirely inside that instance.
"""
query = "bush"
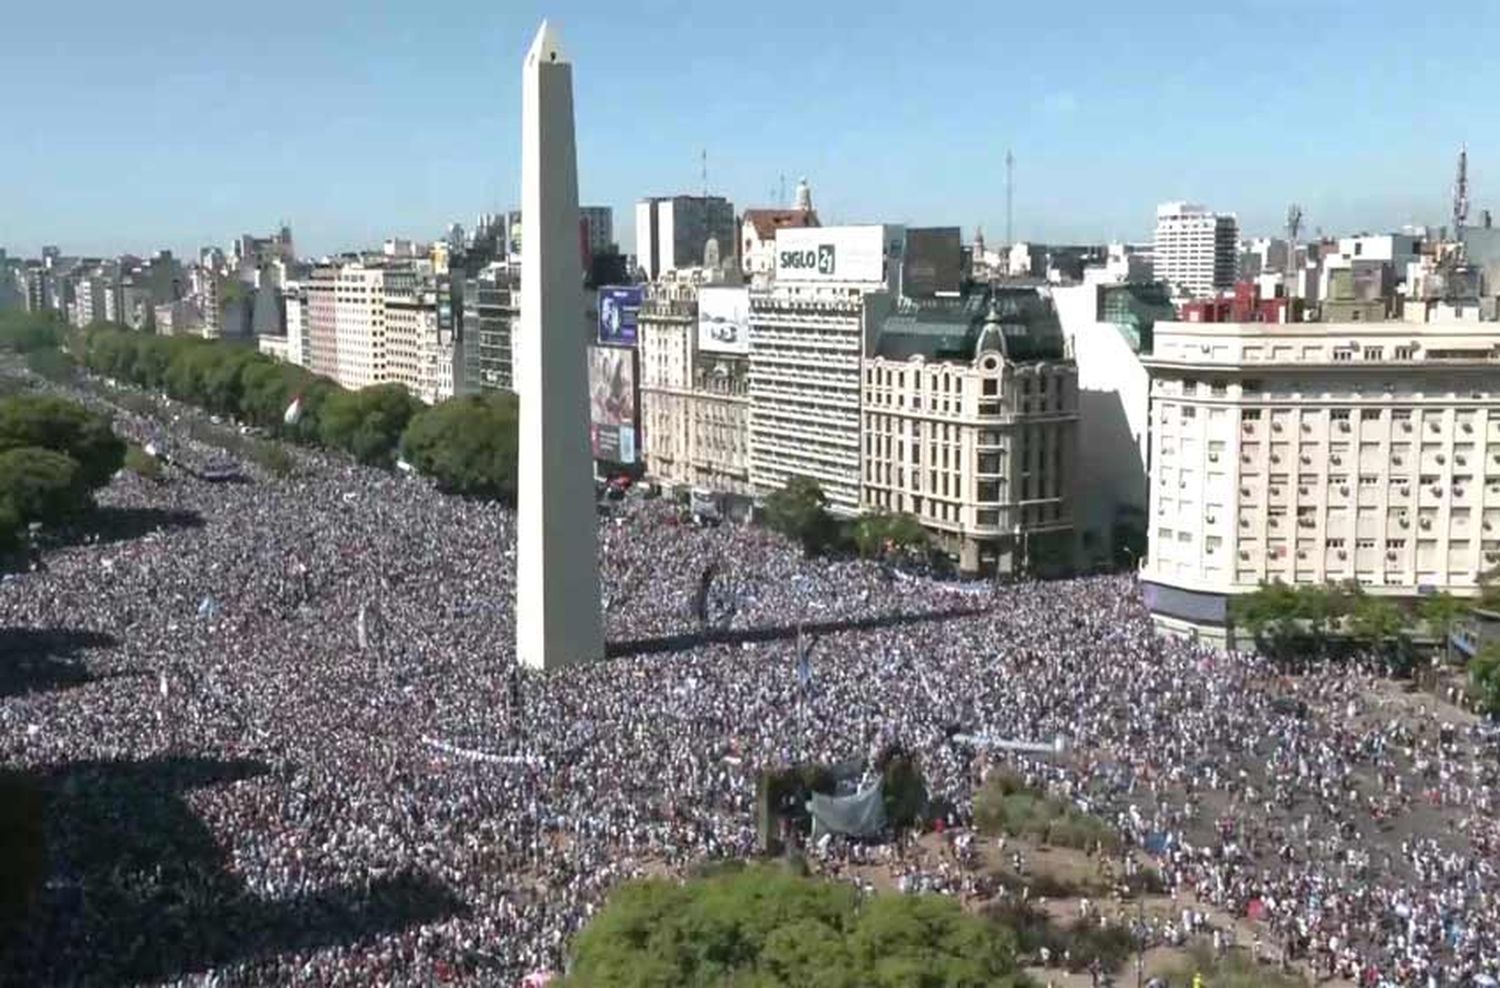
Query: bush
(764, 926)
(42, 485)
(468, 445)
(1005, 805)
(51, 363)
(142, 463)
(65, 427)
(1484, 681)
(1233, 970)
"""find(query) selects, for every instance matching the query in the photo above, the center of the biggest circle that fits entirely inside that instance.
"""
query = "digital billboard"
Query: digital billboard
(724, 320)
(933, 262)
(619, 312)
(837, 253)
(612, 403)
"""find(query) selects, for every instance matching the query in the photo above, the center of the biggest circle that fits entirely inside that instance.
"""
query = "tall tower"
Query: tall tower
(557, 565)
(1461, 194)
(1010, 196)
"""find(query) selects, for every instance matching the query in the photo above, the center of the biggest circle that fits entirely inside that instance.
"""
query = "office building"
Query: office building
(758, 234)
(320, 321)
(675, 232)
(491, 306)
(1195, 252)
(1319, 452)
(597, 229)
(694, 382)
(832, 288)
(970, 418)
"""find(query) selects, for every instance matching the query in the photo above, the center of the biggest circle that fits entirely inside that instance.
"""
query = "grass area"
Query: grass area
(1006, 805)
(1233, 970)
(140, 462)
(1076, 945)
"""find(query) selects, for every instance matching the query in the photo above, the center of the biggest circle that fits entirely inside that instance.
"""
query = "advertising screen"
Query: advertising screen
(619, 311)
(612, 403)
(724, 320)
(934, 262)
(836, 253)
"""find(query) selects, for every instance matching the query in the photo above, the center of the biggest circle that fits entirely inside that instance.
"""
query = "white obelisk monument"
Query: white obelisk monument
(557, 566)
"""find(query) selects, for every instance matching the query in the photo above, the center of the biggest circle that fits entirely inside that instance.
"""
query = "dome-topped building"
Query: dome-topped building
(970, 417)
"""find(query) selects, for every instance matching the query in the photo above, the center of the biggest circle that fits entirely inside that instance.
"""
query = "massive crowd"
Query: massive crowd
(304, 754)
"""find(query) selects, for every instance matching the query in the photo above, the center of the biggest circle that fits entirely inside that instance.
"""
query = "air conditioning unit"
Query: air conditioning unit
(1405, 426)
(1441, 459)
(1306, 459)
(1244, 522)
(1244, 492)
(1391, 555)
(1434, 427)
(1301, 554)
(1468, 427)
(1461, 461)
(1244, 554)
(1337, 459)
(1306, 426)
(1437, 489)
(1275, 458)
(1406, 523)
(1343, 488)
(1406, 492)
(1213, 457)
(1396, 460)
(1244, 457)
(1343, 426)
(1426, 523)
(1275, 426)
(1343, 554)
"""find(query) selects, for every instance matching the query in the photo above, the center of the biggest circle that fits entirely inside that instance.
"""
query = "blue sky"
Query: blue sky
(131, 126)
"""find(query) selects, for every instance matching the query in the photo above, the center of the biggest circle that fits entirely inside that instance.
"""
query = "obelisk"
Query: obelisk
(557, 567)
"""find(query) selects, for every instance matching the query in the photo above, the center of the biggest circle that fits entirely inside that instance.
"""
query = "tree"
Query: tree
(1270, 614)
(24, 332)
(368, 423)
(42, 485)
(63, 426)
(1484, 680)
(1378, 621)
(764, 925)
(799, 512)
(51, 363)
(1441, 611)
(879, 534)
(468, 445)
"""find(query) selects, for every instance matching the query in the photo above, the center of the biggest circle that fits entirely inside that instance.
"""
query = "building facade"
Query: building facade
(1319, 452)
(694, 387)
(320, 321)
(1196, 252)
(674, 232)
(491, 310)
(970, 418)
(809, 332)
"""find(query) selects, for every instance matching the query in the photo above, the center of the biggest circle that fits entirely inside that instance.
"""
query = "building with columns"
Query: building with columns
(1319, 452)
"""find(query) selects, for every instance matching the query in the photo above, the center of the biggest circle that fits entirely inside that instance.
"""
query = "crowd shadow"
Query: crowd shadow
(40, 659)
(688, 640)
(134, 887)
(107, 525)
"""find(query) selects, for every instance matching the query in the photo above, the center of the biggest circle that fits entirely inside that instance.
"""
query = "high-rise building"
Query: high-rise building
(597, 226)
(491, 304)
(970, 420)
(674, 232)
(809, 331)
(321, 321)
(1196, 252)
(1319, 452)
(694, 381)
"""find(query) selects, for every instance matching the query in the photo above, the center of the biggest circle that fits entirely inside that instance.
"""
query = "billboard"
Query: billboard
(933, 263)
(837, 253)
(724, 320)
(612, 403)
(619, 311)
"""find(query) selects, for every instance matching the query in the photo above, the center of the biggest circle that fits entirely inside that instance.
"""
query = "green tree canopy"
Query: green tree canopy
(764, 926)
(799, 511)
(24, 332)
(468, 445)
(368, 423)
(63, 426)
(882, 533)
(42, 485)
(1484, 680)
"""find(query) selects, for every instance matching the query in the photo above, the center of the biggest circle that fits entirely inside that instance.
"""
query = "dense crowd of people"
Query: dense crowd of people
(304, 754)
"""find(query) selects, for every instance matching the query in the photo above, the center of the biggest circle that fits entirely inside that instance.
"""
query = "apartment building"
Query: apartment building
(411, 332)
(491, 312)
(694, 386)
(809, 332)
(1313, 452)
(1195, 251)
(320, 323)
(970, 415)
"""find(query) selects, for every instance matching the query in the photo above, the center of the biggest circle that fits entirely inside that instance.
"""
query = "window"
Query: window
(1369, 415)
(1250, 415)
(1343, 354)
(1374, 352)
(1406, 353)
(1401, 415)
(1190, 412)
(1339, 414)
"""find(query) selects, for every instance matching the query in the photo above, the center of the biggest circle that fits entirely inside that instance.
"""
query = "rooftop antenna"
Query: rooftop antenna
(1010, 196)
(703, 162)
(1461, 192)
(782, 200)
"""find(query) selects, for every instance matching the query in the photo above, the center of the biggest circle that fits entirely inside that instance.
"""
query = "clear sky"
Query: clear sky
(129, 126)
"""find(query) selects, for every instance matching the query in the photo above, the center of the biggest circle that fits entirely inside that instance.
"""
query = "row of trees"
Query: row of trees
(800, 512)
(54, 454)
(1313, 618)
(468, 445)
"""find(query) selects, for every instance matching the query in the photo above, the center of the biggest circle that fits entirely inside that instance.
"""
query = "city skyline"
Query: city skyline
(354, 124)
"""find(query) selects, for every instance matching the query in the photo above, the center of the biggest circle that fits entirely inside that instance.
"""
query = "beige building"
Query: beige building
(411, 332)
(970, 419)
(695, 404)
(1313, 452)
(320, 326)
